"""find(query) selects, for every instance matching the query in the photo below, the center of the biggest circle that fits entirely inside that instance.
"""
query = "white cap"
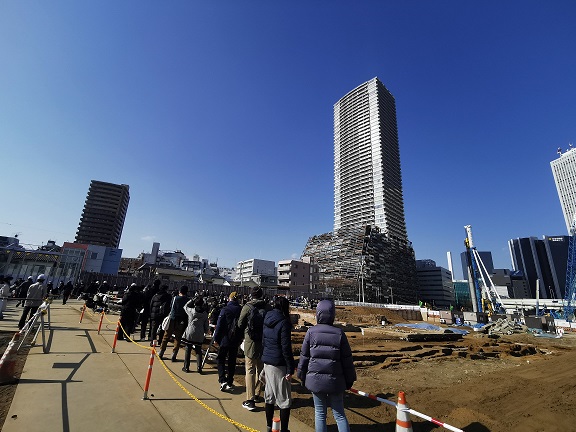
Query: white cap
(41, 277)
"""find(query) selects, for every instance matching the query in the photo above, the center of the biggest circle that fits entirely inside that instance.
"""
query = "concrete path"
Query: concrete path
(80, 385)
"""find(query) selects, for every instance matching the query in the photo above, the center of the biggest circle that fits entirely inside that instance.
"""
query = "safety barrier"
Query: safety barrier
(405, 408)
(43, 309)
(154, 353)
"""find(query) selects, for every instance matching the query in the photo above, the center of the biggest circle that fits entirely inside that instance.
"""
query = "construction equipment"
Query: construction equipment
(485, 298)
(570, 290)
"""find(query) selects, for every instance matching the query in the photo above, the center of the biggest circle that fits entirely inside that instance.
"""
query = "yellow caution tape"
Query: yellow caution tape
(213, 411)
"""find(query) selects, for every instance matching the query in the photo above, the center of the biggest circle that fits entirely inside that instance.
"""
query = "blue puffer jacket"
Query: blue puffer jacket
(277, 341)
(326, 358)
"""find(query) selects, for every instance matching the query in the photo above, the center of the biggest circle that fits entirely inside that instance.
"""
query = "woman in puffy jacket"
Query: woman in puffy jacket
(326, 367)
(195, 331)
(278, 362)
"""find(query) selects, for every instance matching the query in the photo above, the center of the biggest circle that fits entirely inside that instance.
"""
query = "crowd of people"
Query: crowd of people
(259, 325)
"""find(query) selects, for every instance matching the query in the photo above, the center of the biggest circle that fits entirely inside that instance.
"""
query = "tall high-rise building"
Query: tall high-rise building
(367, 177)
(368, 256)
(103, 216)
(564, 171)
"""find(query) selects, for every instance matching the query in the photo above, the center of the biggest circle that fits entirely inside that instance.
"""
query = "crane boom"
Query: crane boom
(484, 292)
(570, 290)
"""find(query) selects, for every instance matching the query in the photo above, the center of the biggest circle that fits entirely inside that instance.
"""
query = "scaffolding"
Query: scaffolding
(363, 264)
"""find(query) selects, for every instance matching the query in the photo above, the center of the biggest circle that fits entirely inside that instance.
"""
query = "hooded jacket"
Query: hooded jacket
(197, 324)
(277, 341)
(326, 364)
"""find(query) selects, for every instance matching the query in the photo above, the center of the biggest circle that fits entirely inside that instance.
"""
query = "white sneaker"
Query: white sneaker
(223, 386)
(229, 387)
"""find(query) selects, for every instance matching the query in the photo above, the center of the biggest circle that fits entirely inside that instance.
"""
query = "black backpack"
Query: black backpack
(255, 325)
(232, 326)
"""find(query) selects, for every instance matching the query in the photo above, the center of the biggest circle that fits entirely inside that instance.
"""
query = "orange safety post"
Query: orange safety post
(116, 336)
(101, 319)
(275, 424)
(83, 310)
(149, 373)
(403, 422)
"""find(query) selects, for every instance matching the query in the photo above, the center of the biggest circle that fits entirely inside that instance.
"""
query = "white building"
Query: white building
(367, 177)
(248, 268)
(564, 171)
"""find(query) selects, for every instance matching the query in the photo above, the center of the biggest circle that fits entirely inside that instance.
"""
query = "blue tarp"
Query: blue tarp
(431, 327)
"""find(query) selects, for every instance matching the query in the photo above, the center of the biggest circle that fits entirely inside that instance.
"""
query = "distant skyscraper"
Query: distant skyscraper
(368, 256)
(564, 171)
(103, 215)
(367, 177)
(544, 260)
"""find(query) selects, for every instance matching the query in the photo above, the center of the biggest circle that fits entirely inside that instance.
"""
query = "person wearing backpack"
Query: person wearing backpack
(227, 338)
(251, 325)
(177, 324)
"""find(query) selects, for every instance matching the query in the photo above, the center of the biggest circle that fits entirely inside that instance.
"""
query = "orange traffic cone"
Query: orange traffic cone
(8, 361)
(403, 422)
(275, 424)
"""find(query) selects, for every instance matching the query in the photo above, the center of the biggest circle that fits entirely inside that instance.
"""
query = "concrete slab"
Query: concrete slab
(81, 385)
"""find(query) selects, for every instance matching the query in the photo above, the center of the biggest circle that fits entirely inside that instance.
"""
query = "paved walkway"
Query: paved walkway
(80, 385)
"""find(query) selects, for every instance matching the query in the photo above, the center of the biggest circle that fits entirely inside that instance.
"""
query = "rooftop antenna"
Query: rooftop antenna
(559, 151)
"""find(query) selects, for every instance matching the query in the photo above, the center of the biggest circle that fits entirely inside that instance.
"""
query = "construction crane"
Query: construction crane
(485, 298)
(570, 290)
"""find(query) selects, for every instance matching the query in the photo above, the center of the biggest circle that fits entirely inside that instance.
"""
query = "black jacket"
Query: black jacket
(160, 305)
(228, 314)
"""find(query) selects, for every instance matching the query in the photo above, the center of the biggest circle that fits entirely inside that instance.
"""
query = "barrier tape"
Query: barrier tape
(169, 372)
(213, 411)
(408, 410)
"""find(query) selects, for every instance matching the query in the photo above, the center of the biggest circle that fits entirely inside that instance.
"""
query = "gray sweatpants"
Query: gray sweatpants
(278, 391)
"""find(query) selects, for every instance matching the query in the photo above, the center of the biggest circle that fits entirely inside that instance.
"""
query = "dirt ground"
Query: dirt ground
(479, 383)
(8, 389)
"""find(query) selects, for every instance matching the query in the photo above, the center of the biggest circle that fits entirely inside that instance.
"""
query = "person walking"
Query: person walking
(326, 368)
(251, 326)
(159, 309)
(226, 337)
(195, 332)
(22, 290)
(130, 304)
(278, 362)
(37, 292)
(4, 294)
(177, 324)
(68, 288)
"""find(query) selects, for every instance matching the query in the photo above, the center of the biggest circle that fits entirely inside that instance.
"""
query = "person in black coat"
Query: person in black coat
(147, 295)
(278, 362)
(131, 302)
(228, 340)
(159, 309)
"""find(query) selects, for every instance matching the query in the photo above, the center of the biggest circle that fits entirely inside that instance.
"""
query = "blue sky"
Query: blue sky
(219, 117)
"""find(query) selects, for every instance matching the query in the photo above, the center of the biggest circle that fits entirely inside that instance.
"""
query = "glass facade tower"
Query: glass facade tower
(367, 174)
(564, 171)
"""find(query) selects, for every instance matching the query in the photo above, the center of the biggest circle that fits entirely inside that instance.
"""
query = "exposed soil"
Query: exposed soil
(478, 383)
(516, 382)
(8, 389)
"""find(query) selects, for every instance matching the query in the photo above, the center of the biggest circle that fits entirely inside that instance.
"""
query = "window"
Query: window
(94, 255)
